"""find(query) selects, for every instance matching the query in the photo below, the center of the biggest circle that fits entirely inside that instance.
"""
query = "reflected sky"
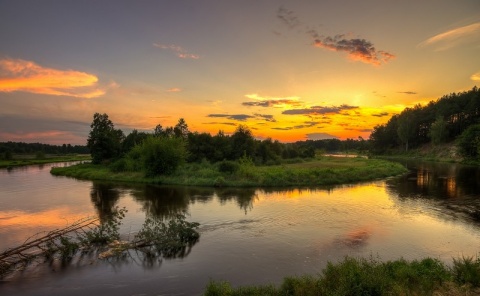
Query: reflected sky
(248, 236)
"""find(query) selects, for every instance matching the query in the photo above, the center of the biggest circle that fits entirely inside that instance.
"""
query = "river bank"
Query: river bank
(24, 160)
(318, 172)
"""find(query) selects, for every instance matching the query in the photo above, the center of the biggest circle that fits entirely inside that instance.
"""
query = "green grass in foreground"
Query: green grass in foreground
(322, 171)
(47, 159)
(371, 277)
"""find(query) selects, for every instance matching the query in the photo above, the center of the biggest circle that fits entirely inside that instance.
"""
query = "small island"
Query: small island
(176, 156)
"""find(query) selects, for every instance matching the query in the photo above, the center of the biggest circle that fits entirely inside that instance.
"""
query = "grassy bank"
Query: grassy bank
(371, 277)
(321, 171)
(32, 159)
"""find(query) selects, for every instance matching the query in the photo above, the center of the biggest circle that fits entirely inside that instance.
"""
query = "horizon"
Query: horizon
(290, 71)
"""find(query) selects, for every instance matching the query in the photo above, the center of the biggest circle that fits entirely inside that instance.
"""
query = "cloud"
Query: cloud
(178, 51)
(288, 17)
(224, 123)
(320, 136)
(407, 92)
(239, 117)
(454, 37)
(174, 89)
(306, 124)
(357, 49)
(475, 77)
(381, 114)
(22, 75)
(319, 110)
(266, 117)
(271, 102)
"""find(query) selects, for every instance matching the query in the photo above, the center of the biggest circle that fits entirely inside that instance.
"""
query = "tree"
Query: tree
(104, 141)
(158, 131)
(438, 131)
(469, 142)
(181, 129)
(243, 142)
(406, 127)
(162, 155)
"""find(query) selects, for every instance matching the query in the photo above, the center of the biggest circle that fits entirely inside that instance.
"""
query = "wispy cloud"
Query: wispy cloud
(271, 102)
(319, 110)
(178, 51)
(174, 89)
(475, 77)
(239, 117)
(224, 123)
(320, 136)
(381, 114)
(357, 49)
(454, 37)
(266, 117)
(306, 124)
(22, 75)
(288, 17)
(407, 92)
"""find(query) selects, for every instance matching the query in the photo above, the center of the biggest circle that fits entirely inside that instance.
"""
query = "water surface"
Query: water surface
(248, 236)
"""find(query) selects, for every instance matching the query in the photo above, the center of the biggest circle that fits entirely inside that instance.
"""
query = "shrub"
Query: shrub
(162, 155)
(228, 166)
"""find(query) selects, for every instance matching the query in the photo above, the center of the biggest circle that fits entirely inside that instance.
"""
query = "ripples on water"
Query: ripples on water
(247, 236)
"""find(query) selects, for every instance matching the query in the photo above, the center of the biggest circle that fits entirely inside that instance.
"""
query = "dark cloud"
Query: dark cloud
(319, 110)
(300, 126)
(271, 103)
(407, 92)
(266, 117)
(357, 49)
(363, 130)
(381, 114)
(239, 117)
(288, 17)
(224, 123)
(320, 136)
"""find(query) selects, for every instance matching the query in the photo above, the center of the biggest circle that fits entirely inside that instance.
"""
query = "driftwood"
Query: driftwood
(39, 245)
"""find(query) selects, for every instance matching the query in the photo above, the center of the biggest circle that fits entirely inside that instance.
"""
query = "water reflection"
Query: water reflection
(104, 197)
(453, 189)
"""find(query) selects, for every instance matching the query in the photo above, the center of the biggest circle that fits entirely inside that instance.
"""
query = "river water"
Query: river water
(248, 236)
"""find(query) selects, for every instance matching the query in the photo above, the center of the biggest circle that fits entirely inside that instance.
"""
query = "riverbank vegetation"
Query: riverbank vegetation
(40, 158)
(452, 119)
(359, 276)
(175, 156)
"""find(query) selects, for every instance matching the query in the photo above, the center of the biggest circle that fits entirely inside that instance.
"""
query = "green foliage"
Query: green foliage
(228, 166)
(168, 239)
(438, 131)
(104, 141)
(7, 155)
(40, 155)
(106, 232)
(162, 155)
(466, 270)
(469, 142)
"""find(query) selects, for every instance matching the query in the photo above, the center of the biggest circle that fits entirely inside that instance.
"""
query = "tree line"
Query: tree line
(9, 148)
(455, 116)
(163, 149)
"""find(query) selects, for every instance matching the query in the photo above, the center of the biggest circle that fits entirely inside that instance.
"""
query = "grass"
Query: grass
(31, 160)
(359, 276)
(317, 172)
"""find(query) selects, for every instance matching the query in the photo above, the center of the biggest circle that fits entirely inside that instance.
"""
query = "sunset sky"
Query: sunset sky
(289, 70)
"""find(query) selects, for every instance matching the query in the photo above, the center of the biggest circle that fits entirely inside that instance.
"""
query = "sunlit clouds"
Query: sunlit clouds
(475, 77)
(271, 102)
(357, 49)
(174, 89)
(22, 75)
(178, 51)
(454, 37)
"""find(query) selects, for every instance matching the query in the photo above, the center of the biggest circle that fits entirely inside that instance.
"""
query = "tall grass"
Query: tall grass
(354, 276)
(323, 171)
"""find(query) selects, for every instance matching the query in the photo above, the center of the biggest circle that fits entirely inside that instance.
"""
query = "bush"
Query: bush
(162, 155)
(228, 166)
(469, 142)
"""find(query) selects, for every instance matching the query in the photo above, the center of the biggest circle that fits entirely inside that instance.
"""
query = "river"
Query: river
(248, 236)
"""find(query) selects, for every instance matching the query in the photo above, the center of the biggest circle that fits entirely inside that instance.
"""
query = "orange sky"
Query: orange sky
(288, 70)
